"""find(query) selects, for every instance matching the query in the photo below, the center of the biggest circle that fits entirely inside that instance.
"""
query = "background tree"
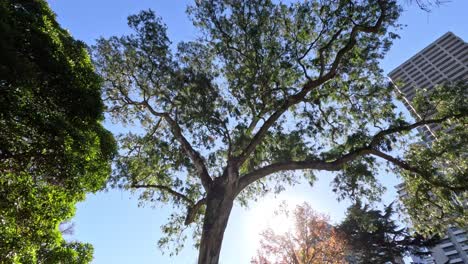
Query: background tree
(53, 148)
(373, 236)
(266, 89)
(439, 199)
(313, 240)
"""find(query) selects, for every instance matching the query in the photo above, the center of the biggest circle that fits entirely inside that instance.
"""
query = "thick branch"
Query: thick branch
(313, 164)
(298, 97)
(338, 163)
(196, 158)
(192, 211)
(192, 207)
(193, 154)
(379, 136)
(426, 176)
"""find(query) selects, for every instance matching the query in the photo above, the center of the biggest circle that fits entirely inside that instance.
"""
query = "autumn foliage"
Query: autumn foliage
(312, 240)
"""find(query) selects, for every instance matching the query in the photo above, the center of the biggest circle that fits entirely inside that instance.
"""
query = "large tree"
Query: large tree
(373, 236)
(53, 148)
(312, 240)
(267, 89)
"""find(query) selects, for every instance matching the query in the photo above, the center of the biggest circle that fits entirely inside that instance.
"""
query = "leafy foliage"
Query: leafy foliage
(373, 236)
(268, 88)
(53, 148)
(437, 195)
(312, 241)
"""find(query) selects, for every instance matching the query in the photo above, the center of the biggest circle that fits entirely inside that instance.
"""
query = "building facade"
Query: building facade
(446, 59)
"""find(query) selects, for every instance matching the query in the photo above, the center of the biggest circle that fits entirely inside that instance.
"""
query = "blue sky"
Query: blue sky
(122, 232)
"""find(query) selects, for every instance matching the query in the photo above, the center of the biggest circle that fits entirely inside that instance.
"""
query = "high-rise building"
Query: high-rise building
(446, 59)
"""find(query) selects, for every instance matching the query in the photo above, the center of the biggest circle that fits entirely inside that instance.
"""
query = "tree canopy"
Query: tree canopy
(53, 148)
(312, 240)
(265, 89)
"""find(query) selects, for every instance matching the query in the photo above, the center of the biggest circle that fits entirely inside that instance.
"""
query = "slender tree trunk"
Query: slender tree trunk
(218, 208)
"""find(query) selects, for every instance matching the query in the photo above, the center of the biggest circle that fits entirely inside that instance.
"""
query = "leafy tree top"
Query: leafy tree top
(312, 240)
(373, 235)
(53, 148)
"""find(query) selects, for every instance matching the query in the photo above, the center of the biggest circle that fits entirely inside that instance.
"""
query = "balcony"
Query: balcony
(452, 252)
(447, 244)
(457, 260)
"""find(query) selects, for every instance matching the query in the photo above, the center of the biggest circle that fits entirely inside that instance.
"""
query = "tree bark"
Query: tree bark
(218, 208)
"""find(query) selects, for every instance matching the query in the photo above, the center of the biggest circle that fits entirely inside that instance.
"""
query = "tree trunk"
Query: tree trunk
(218, 208)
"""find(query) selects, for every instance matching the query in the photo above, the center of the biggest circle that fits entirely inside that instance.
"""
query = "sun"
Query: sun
(264, 214)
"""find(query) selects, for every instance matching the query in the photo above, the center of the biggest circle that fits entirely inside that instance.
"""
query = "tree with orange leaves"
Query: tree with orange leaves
(311, 241)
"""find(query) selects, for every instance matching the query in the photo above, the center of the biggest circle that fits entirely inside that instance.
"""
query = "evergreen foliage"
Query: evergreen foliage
(53, 148)
(373, 236)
